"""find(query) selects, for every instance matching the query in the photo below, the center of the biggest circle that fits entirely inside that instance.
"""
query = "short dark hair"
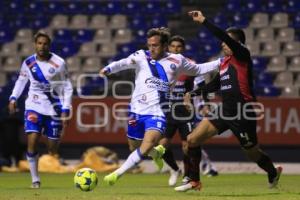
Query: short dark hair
(177, 38)
(237, 33)
(42, 34)
(163, 32)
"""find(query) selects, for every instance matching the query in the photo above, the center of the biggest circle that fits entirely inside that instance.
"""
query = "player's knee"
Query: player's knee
(192, 141)
(185, 147)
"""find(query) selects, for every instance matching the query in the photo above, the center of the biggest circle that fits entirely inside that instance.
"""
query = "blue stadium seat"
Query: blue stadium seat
(204, 35)
(14, 6)
(131, 7)
(240, 20)
(138, 22)
(264, 79)
(73, 7)
(140, 35)
(296, 21)
(291, 6)
(158, 21)
(233, 5)
(6, 35)
(39, 22)
(252, 6)
(54, 7)
(63, 35)
(273, 6)
(34, 7)
(259, 64)
(65, 49)
(151, 7)
(172, 7)
(127, 49)
(84, 35)
(92, 8)
(112, 7)
(267, 90)
(221, 20)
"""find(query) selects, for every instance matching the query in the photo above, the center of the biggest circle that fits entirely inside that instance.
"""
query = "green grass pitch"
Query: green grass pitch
(15, 186)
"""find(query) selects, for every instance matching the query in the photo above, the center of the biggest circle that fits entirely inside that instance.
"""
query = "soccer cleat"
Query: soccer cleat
(185, 180)
(192, 185)
(212, 173)
(275, 180)
(35, 185)
(173, 177)
(111, 178)
(158, 158)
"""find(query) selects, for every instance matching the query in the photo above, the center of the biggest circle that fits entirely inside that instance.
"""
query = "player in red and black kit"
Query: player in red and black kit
(236, 89)
(182, 120)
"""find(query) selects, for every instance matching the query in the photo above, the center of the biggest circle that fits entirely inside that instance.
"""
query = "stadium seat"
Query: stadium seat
(252, 6)
(79, 22)
(284, 79)
(297, 81)
(172, 7)
(233, 5)
(249, 33)
(290, 91)
(273, 6)
(131, 7)
(285, 35)
(294, 65)
(296, 21)
(264, 78)
(2, 80)
(63, 35)
(73, 64)
(91, 64)
(158, 21)
(138, 22)
(127, 49)
(122, 36)
(92, 8)
(107, 50)
(291, 49)
(103, 36)
(240, 20)
(9, 49)
(55, 7)
(265, 34)
(204, 35)
(87, 49)
(221, 20)
(24, 35)
(34, 7)
(140, 35)
(259, 20)
(39, 22)
(73, 7)
(279, 20)
(26, 49)
(12, 64)
(111, 7)
(259, 64)
(59, 22)
(84, 35)
(6, 35)
(151, 7)
(271, 48)
(291, 6)
(98, 21)
(254, 48)
(267, 91)
(118, 21)
(277, 64)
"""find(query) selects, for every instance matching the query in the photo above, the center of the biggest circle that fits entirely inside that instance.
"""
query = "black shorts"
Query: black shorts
(184, 128)
(242, 127)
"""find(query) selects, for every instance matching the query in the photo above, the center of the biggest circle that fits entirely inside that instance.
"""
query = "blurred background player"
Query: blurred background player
(49, 98)
(236, 85)
(184, 125)
(156, 71)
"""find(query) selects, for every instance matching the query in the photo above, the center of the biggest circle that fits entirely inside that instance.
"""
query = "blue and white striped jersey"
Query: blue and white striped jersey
(50, 90)
(155, 78)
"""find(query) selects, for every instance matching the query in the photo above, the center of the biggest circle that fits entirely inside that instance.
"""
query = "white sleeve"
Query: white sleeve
(67, 89)
(199, 69)
(127, 63)
(20, 83)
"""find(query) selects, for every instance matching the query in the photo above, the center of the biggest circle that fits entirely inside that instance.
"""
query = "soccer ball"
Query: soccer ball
(86, 179)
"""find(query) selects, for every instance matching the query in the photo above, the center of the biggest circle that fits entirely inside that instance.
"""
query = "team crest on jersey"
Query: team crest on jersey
(32, 117)
(152, 62)
(51, 70)
(34, 69)
(173, 66)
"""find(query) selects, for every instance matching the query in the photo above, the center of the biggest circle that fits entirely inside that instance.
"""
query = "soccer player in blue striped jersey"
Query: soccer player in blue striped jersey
(156, 72)
(48, 103)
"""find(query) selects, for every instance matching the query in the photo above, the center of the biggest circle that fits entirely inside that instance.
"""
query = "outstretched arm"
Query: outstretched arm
(238, 49)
